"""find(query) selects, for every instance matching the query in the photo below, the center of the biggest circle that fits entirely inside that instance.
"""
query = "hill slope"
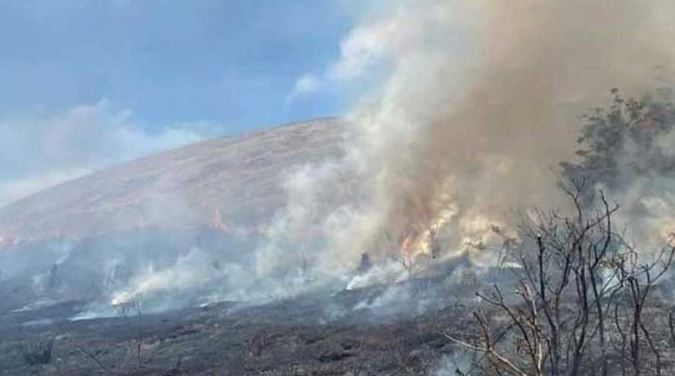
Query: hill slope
(229, 183)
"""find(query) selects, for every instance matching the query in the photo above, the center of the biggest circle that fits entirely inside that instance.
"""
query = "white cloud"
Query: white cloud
(305, 84)
(43, 150)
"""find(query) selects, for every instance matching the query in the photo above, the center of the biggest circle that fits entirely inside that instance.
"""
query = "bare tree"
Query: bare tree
(130, 311)
(576, 273)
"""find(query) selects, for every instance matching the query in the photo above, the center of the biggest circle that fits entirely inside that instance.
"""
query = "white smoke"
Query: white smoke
(189, 272)
(449, 365)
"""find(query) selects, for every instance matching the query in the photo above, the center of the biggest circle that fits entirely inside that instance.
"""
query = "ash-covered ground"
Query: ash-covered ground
(392, 329)
(398, 329)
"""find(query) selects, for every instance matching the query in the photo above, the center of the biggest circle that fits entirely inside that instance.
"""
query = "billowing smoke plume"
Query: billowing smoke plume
(473, 106)
(480, 103)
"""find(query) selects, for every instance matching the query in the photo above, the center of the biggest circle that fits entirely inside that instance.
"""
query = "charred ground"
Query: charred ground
(310, 335)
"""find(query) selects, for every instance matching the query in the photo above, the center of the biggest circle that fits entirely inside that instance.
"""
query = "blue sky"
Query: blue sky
(227, 62)
(86, 84)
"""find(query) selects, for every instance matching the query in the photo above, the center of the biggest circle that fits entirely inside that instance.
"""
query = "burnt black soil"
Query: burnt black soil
(312, 335)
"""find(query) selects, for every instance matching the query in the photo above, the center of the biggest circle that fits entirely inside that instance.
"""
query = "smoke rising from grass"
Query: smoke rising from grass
(481, 102)
(477, 103)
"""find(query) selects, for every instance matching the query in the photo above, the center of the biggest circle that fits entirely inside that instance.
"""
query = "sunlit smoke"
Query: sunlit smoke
(480, 103)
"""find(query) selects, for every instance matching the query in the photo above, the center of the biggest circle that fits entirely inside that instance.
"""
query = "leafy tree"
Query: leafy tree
(628, 140)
